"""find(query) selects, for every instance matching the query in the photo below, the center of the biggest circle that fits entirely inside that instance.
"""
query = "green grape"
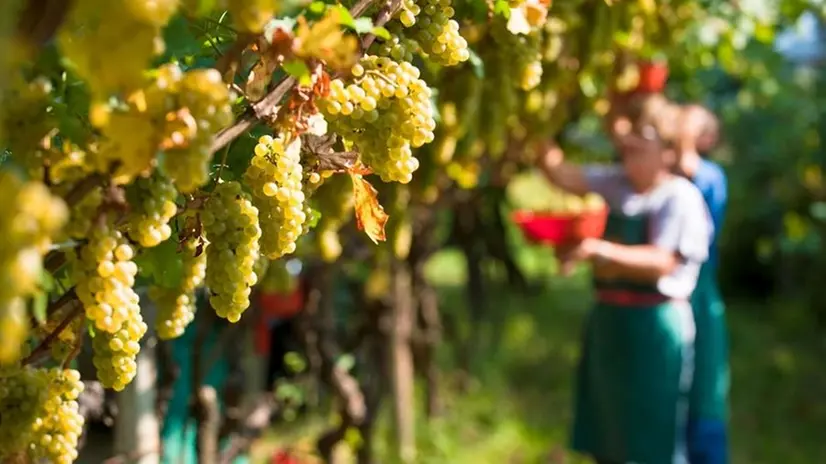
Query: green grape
(231, 225)
(67, 339)
(104, 273)
(408, 12)
(176, 306)
(31, 217)
(129, 142)
(274, 176)
(14, 328)
(437, 34)
(522, 52)
(67, 165)
(25, 119)
(23, 392)
(205, 109)
(153, 206)
(335, 200)
(56, 432)
(385, 112)
(399, 47)
(109, 43)
(251, 15)
(83, 213)
(114, 354)
(156, 12)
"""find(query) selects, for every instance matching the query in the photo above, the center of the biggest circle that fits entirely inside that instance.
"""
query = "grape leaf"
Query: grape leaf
(317, 7)
(477, 63)
(161, 264)
(41, 298)
(344, 16)
(39, 304)
(363, 25)
(299, 70)
(382, 33)
(370, 216)
(180, 40)
(502, 8)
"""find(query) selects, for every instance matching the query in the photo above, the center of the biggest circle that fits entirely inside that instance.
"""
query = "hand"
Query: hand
(549, 155)
(587, 249)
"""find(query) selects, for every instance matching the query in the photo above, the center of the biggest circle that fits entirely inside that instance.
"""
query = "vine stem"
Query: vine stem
(41, 350)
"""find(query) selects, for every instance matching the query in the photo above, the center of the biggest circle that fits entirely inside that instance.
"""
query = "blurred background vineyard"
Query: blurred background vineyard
(510, 335)
(773, 264)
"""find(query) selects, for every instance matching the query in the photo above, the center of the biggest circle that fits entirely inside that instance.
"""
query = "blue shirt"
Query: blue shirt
(710, 179)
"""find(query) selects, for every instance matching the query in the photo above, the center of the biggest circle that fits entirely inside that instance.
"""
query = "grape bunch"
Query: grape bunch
(274, 176)
(204, 108)
(399, 47)
(522, 52)
(104, 274)
(25, 119)
(39, 416)
(435, 31)
(385, 112)
(83, 213)
(55, 434)
(335, 199)
(31, 217)
(109, 44)
(114, 354)
(22, 395)
(129, 141)
(176, 306)
(153, 206)
(178, 112)
(251, 15)
(231, 224)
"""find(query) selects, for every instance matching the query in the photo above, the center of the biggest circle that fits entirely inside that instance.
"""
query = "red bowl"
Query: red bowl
(561, 229)
(653, 76)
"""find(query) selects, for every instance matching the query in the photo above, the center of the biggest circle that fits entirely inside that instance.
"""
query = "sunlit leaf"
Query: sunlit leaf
(299, 70)
(363, 25)
(370, 216)
(381, 32)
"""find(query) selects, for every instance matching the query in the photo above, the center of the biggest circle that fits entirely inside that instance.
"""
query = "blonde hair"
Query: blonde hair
(707, 126)
(653, 116)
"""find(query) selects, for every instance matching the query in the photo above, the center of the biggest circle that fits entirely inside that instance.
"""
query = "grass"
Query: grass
(519, 405)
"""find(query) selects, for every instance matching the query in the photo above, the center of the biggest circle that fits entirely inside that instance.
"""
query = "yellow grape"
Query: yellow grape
(231, 225)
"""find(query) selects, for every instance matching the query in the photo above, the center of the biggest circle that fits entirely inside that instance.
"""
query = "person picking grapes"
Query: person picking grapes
(708, 403)
(635, 371)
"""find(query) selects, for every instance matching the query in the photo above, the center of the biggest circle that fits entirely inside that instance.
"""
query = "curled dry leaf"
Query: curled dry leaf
(272, 52)
(370, 216)
(318, 151)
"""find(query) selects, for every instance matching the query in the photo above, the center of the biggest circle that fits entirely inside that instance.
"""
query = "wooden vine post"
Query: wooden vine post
(401, 363)
(137, 428)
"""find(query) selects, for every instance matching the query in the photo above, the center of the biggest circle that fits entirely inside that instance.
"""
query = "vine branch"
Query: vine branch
(41, 350)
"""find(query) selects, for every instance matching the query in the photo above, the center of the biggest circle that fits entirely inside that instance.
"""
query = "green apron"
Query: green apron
(635, 372)
(709, 391)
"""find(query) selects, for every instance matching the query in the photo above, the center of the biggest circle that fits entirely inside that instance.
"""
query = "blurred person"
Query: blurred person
(698, 132)
(635, 370)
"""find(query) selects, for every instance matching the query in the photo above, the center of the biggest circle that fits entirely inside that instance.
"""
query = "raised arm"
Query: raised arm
(567, 176)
